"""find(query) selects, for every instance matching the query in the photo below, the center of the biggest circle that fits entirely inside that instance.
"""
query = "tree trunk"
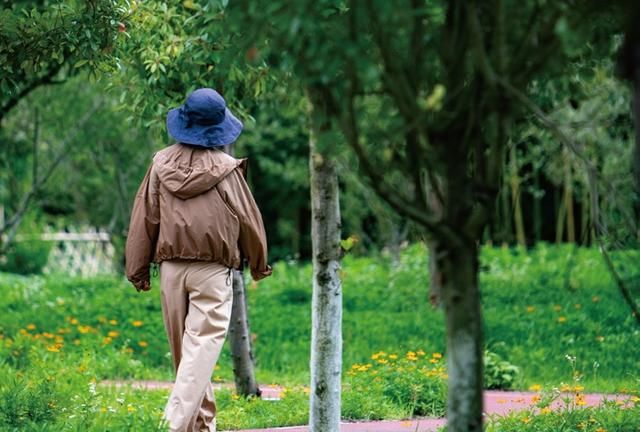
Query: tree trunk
(568, 200)
(240, 334)
(560, 221)
(537, 208)
(326, 317)
(461, 297)
(515, 197)
(240, 338)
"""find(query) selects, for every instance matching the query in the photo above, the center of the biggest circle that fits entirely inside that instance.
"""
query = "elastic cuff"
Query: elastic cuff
(261, 274)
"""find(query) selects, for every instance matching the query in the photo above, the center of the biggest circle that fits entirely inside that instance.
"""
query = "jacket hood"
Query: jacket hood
(187, 171)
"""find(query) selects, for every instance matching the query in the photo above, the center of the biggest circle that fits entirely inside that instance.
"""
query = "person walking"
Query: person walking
(195, 215)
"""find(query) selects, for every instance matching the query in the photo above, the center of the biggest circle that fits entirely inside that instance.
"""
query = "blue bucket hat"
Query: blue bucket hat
(204, 120)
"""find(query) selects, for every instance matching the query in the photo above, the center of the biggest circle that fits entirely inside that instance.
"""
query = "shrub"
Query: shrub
(498, 373)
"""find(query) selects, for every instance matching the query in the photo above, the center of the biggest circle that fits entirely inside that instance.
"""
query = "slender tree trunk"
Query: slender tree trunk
(560, 221)
(461, 297)
(507, 219)
(568, 200)
(240, 337)
(515, 197)
(537, 208)
(240, 334)
(326, 317)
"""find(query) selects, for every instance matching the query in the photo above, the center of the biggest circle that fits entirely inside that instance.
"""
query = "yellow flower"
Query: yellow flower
(436, 355)
(48, 335)
(383, 361)
(433, 361)
(562, 319)
(601, 429)
(535, 399)
(113, 322)
(102, 319)
(73, 321)
(578, 388)
(580, 401)
(103, 410)
(535, 387)
(393, 356)
(54, 348)
(420, 352)
(76, 341)
(130, 408)
(545, 410)
(143, 344)
(137, 323)
(107, 340)
(235, 396)
(128, 350)
(635, 399)
(59, 339)
(582, 425)
(113, 334)
(31, 327)
(526, 420)
(531, 309)
(84, 329)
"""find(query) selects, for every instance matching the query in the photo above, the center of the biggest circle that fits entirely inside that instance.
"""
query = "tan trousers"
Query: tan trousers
(196, 307)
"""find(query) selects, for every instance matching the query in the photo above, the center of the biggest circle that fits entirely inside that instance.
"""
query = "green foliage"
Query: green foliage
(36, 41)
(499, 373)
(611, 417)
(80, 330)
(416, 382)
(28, 256)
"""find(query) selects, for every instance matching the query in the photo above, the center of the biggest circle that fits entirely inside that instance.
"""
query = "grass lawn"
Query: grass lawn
(553, 312)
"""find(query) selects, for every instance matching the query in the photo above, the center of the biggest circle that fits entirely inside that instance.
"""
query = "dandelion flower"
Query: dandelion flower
(535, 388)
(143, 344)
(31, 327)
(113, 334)
(562, 319)
(137, 323)
(545, 410)
(113, 322)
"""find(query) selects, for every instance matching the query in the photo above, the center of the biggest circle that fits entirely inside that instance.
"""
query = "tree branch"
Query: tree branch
(8, 230)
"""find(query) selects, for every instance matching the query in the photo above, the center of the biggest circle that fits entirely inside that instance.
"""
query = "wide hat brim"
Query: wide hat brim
(221, 134)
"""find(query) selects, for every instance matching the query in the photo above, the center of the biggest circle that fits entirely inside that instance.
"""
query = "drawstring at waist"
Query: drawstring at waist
(229, 279)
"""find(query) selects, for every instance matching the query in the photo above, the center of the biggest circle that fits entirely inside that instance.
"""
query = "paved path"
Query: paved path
(495, 403)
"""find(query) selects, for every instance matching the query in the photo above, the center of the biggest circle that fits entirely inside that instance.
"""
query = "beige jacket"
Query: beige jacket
(194, 204)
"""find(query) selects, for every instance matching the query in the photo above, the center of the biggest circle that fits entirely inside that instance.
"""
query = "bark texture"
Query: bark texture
(326, 318)
(240, 338)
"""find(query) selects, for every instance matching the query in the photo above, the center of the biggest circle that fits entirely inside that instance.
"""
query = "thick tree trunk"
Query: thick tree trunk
(240, 334)
(240, 338)
(326, 318)
(461, 297)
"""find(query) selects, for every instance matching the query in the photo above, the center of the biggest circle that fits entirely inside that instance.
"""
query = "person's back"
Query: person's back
(195, 215)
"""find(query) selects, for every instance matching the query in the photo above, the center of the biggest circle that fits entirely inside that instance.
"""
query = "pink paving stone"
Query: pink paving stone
(421, 425)
(495, 403)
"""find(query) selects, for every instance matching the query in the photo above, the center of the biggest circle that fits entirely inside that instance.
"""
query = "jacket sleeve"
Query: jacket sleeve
(143, 230)
(253, 240)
